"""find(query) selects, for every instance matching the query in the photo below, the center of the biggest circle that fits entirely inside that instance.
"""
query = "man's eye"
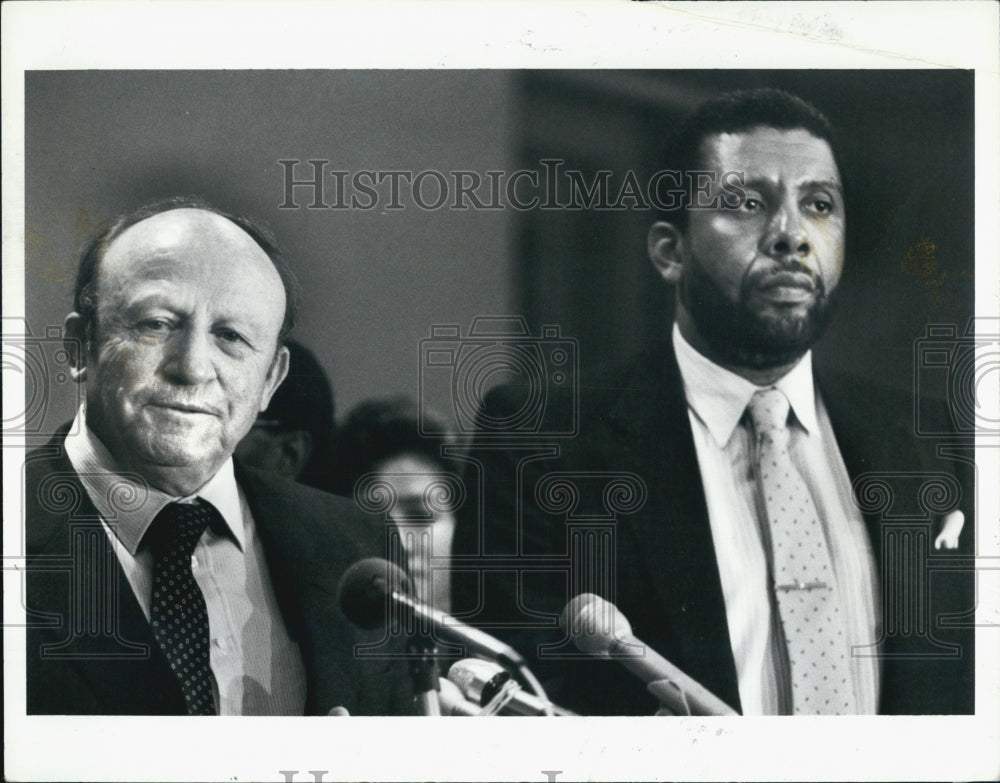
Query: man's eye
(752, 204)
(230, 336)
(154, 326)
(821, 206)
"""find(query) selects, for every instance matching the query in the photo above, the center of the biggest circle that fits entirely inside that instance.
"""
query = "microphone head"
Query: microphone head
(364, 591)
(452, 701)
(594, 625)
(478, 680)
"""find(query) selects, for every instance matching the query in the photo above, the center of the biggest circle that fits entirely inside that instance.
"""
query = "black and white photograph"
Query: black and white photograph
(655, 391)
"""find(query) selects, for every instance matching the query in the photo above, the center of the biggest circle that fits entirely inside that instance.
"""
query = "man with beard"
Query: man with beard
(718, 470)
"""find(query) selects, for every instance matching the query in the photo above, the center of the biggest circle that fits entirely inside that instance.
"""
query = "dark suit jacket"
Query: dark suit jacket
(662, 572)
(90, 649)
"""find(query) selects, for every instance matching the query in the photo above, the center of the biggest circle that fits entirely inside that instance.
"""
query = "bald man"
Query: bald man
(183, 584)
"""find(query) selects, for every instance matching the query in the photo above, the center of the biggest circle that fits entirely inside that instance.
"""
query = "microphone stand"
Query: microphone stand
(425, 673)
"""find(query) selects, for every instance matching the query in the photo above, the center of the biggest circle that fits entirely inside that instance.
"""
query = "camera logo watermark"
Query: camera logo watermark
(960, 369)
(538, 373)
(44, 363)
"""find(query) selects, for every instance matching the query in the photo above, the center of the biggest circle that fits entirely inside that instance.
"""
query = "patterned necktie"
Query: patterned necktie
(178, 613)
(804, 583)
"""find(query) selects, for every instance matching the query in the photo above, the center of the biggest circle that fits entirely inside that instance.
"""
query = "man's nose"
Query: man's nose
(189, 358)
(786, 239)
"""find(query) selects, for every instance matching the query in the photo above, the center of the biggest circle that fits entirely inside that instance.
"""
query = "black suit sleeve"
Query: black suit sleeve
(518, 555)
(311, 539)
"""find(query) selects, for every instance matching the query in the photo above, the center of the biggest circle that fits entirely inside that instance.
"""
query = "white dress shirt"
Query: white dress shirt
(724, 443)
(257, 668)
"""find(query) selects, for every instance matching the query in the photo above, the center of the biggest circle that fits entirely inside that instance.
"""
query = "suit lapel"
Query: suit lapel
(109, 648)
(310, 538)
(868, 441)
(671, 536)
(279, 551)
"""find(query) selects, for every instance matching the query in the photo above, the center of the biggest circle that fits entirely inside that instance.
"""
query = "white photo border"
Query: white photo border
(272, 35)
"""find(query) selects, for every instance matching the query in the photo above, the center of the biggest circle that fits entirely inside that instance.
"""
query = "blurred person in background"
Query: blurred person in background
(380, 447)
(294, 436)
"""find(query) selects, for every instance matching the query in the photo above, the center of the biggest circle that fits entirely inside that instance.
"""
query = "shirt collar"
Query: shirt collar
(127, 502)
(719, 397)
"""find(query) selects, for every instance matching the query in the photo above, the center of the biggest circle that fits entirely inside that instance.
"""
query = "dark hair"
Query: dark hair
(376, 430)
(742, 110)
(85, 292)
(305, 401)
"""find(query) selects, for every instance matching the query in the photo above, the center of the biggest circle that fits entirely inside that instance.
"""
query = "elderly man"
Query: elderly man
(746, 559)
(161, 578)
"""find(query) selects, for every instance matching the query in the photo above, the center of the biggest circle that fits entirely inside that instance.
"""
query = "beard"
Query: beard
(747, 337)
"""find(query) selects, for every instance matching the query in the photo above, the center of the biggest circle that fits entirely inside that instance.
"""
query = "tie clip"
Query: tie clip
(816, 584)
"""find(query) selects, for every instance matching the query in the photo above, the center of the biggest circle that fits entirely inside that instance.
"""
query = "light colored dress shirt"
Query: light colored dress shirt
(257, 668)
(725, 445)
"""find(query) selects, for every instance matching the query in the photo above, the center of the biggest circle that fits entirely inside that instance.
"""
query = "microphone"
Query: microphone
(453, 702)
(480, 681)
(598, 628)
(369, 587)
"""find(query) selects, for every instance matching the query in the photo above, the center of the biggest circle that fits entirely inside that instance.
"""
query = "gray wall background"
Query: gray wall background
(102, 142)
(376, 281)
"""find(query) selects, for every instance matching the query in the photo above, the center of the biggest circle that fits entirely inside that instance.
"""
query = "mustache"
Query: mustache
(790, 275)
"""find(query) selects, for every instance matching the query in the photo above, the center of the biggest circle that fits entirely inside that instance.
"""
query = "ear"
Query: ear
(296, 449)
(665, 244)
(75, 344)
(275, 375)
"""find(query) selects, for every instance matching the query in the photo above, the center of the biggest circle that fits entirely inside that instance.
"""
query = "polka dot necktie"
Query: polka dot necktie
(804, 583)
(178, 613)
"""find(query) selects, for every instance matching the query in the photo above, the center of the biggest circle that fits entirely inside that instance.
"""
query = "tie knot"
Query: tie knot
(177, 528)
(769, 410)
